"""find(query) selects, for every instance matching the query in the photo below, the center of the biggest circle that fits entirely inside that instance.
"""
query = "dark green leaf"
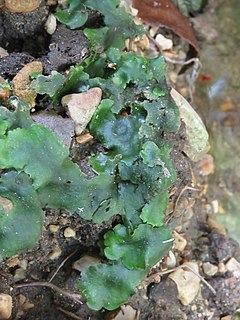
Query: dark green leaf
(75, 16)
(163, 114)
(153, 211)
(118, 133)
(75, 79)
(142, 249)
(48, 84)
(108, 286)
(21, 227)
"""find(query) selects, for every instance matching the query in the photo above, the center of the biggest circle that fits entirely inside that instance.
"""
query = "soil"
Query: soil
(25, 39)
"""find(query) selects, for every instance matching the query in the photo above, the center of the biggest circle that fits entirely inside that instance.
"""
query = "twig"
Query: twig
(70, 314)
(181, 62)
(176, 203)
(181, 267)
(61, 264)
(73, 296)
(181, 193)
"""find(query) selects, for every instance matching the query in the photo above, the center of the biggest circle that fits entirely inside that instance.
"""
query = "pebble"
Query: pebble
(85, 262)
(53, 228)
(19, 274)
(209, 269)
(5, 306)
(69, 233)
(222, 268)
(179, 242)
(165, 43)
(63, 127)
(188, 283)
(84, 138)
(233, 266)
(6, 204)
(171, 260)
(13, 262)
(55, 254)
(27, 306)
(23, 264)
(194, 307)
(226, 318)
(22, 299)
(3, 53)
(22, 6)
(51, 24)
(81, 107)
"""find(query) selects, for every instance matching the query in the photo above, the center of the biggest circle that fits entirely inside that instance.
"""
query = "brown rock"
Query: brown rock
(22, 5)
(5, 306)
(22, 82)
(84, 138)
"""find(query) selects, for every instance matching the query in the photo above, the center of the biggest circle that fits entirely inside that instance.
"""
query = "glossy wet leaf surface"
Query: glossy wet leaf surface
(108, 286)
(142, 249)
(21, 227)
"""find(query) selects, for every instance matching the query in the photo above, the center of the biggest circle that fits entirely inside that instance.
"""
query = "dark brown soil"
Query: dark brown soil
(26, 42)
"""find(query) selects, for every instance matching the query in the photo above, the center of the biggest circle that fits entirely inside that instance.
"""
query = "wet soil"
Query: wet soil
(26, 42)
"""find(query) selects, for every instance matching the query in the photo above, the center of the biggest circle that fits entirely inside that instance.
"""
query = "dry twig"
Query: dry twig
(73, 296)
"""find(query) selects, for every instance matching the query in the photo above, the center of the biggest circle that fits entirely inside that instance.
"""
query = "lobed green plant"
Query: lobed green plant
(132, 174)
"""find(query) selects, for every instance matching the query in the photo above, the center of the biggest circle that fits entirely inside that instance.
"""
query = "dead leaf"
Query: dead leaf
(164, 12)
(81, 107)
(22, 82)
(22, 5)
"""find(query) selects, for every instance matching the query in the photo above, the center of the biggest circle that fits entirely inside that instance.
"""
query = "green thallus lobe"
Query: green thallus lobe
(133, 174)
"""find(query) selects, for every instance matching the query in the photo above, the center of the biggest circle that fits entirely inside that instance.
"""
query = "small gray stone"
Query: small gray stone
(63, 127)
